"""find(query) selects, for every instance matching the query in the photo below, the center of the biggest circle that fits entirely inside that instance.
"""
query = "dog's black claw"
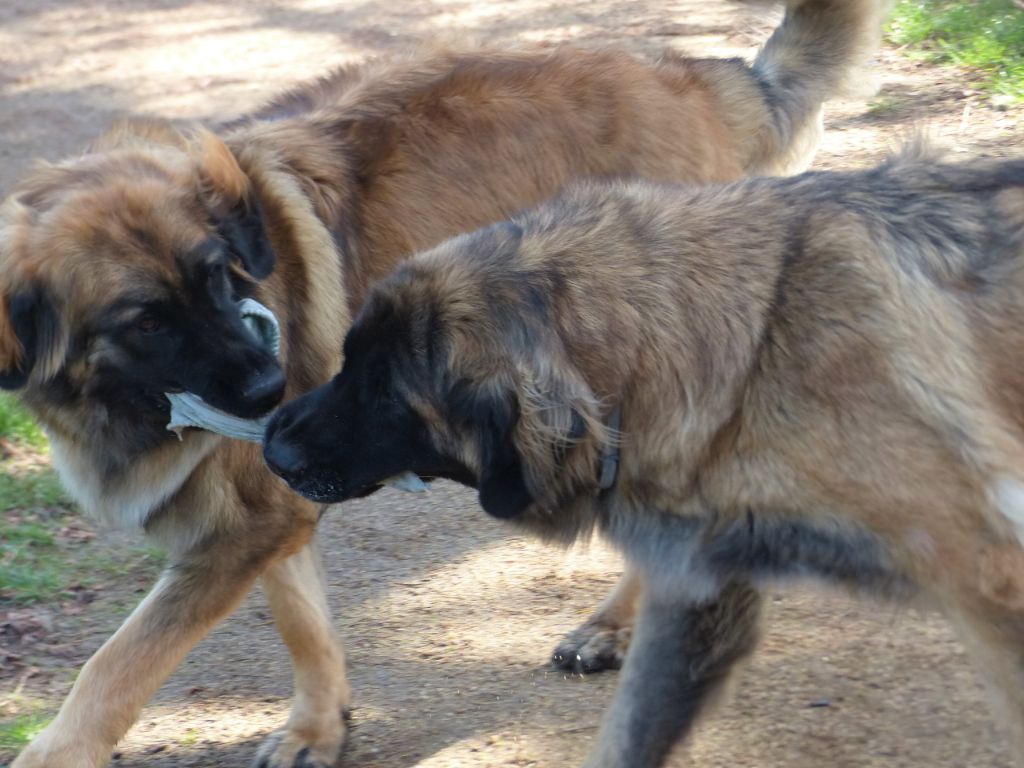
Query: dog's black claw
(595, 664)
(563, 659)
(591, 649)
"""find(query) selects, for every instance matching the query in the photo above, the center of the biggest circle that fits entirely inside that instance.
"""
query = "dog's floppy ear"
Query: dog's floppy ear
(242, 228)
(29, 335)
(233, 206)
(493, 417)
(503, 490)
(557, 414)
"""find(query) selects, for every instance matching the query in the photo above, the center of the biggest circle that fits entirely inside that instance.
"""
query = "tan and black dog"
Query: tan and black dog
(119, 272)
(811, 377)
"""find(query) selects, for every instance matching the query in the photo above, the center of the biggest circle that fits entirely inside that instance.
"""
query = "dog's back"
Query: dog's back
(772, 107)
(924, 261)
(901, 285)
(606, 113)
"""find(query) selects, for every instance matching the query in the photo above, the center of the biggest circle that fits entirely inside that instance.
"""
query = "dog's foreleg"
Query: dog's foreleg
(188, 600)
(316, 728)
(681, 657)
(602, 640)
(995, 640)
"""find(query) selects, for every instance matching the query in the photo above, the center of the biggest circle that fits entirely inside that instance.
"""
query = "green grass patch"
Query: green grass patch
(26, 477)
(884, 106)
(987, 35)
(17, 425)
(32, 509)
(19, 730)
(32, 502)
(32, 566)
(29, 487)
(48, 555)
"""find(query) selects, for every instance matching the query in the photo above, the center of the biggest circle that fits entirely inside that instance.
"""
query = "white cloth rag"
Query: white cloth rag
(189, 410)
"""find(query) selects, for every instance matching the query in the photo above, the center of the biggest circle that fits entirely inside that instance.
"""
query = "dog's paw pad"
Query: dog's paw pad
(283, 749)
(592, 648)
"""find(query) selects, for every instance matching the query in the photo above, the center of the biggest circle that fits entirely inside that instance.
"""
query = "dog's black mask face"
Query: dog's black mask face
(342, 440)
(189, 337)
(120, 285)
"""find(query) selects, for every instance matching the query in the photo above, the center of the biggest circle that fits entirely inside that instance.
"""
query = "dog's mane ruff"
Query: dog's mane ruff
(317, 157)
(291, 206)
(566, 511)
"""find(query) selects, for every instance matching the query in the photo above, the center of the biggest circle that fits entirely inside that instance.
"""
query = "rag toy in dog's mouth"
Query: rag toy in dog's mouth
(189, 410)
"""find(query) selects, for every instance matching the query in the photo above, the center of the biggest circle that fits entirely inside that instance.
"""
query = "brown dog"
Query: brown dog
(119, 271)
(813, 377)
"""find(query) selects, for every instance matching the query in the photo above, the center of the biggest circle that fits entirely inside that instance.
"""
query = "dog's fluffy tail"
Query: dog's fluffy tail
(819, 51)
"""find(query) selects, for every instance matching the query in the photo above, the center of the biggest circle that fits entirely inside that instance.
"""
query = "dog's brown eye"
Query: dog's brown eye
(148, 324)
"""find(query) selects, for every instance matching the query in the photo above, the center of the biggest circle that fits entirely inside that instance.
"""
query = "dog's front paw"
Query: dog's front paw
(285, 748)
(593, 647)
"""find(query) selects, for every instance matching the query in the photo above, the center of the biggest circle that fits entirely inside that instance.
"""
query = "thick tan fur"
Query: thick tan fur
(817, 377)
(352, 174)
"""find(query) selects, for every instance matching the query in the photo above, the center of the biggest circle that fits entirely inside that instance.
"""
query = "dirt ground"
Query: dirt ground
(449, 620)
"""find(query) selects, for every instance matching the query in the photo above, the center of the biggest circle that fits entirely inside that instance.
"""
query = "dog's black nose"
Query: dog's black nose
(283, 458)
(265, 391)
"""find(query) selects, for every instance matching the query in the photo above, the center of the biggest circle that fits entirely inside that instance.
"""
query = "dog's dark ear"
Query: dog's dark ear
(558, 414)
(233, 207)
(502, 484)
(29, 334)
(242, 229)
(503, 491)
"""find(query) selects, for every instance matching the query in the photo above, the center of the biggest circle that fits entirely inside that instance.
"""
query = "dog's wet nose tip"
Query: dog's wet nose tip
(265, 391)
(284, 459)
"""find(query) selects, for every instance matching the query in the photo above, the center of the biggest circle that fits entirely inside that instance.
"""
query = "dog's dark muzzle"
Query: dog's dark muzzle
(286, 444)
(263, 392)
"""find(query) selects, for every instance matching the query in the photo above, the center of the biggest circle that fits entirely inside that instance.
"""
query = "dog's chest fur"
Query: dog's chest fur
(129, 498)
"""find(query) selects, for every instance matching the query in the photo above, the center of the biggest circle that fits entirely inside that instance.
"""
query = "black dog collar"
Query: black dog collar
(610, 454)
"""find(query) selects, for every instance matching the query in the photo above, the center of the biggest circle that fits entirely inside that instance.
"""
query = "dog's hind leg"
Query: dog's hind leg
(680, 661)
(602, 640)
(316, 729)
